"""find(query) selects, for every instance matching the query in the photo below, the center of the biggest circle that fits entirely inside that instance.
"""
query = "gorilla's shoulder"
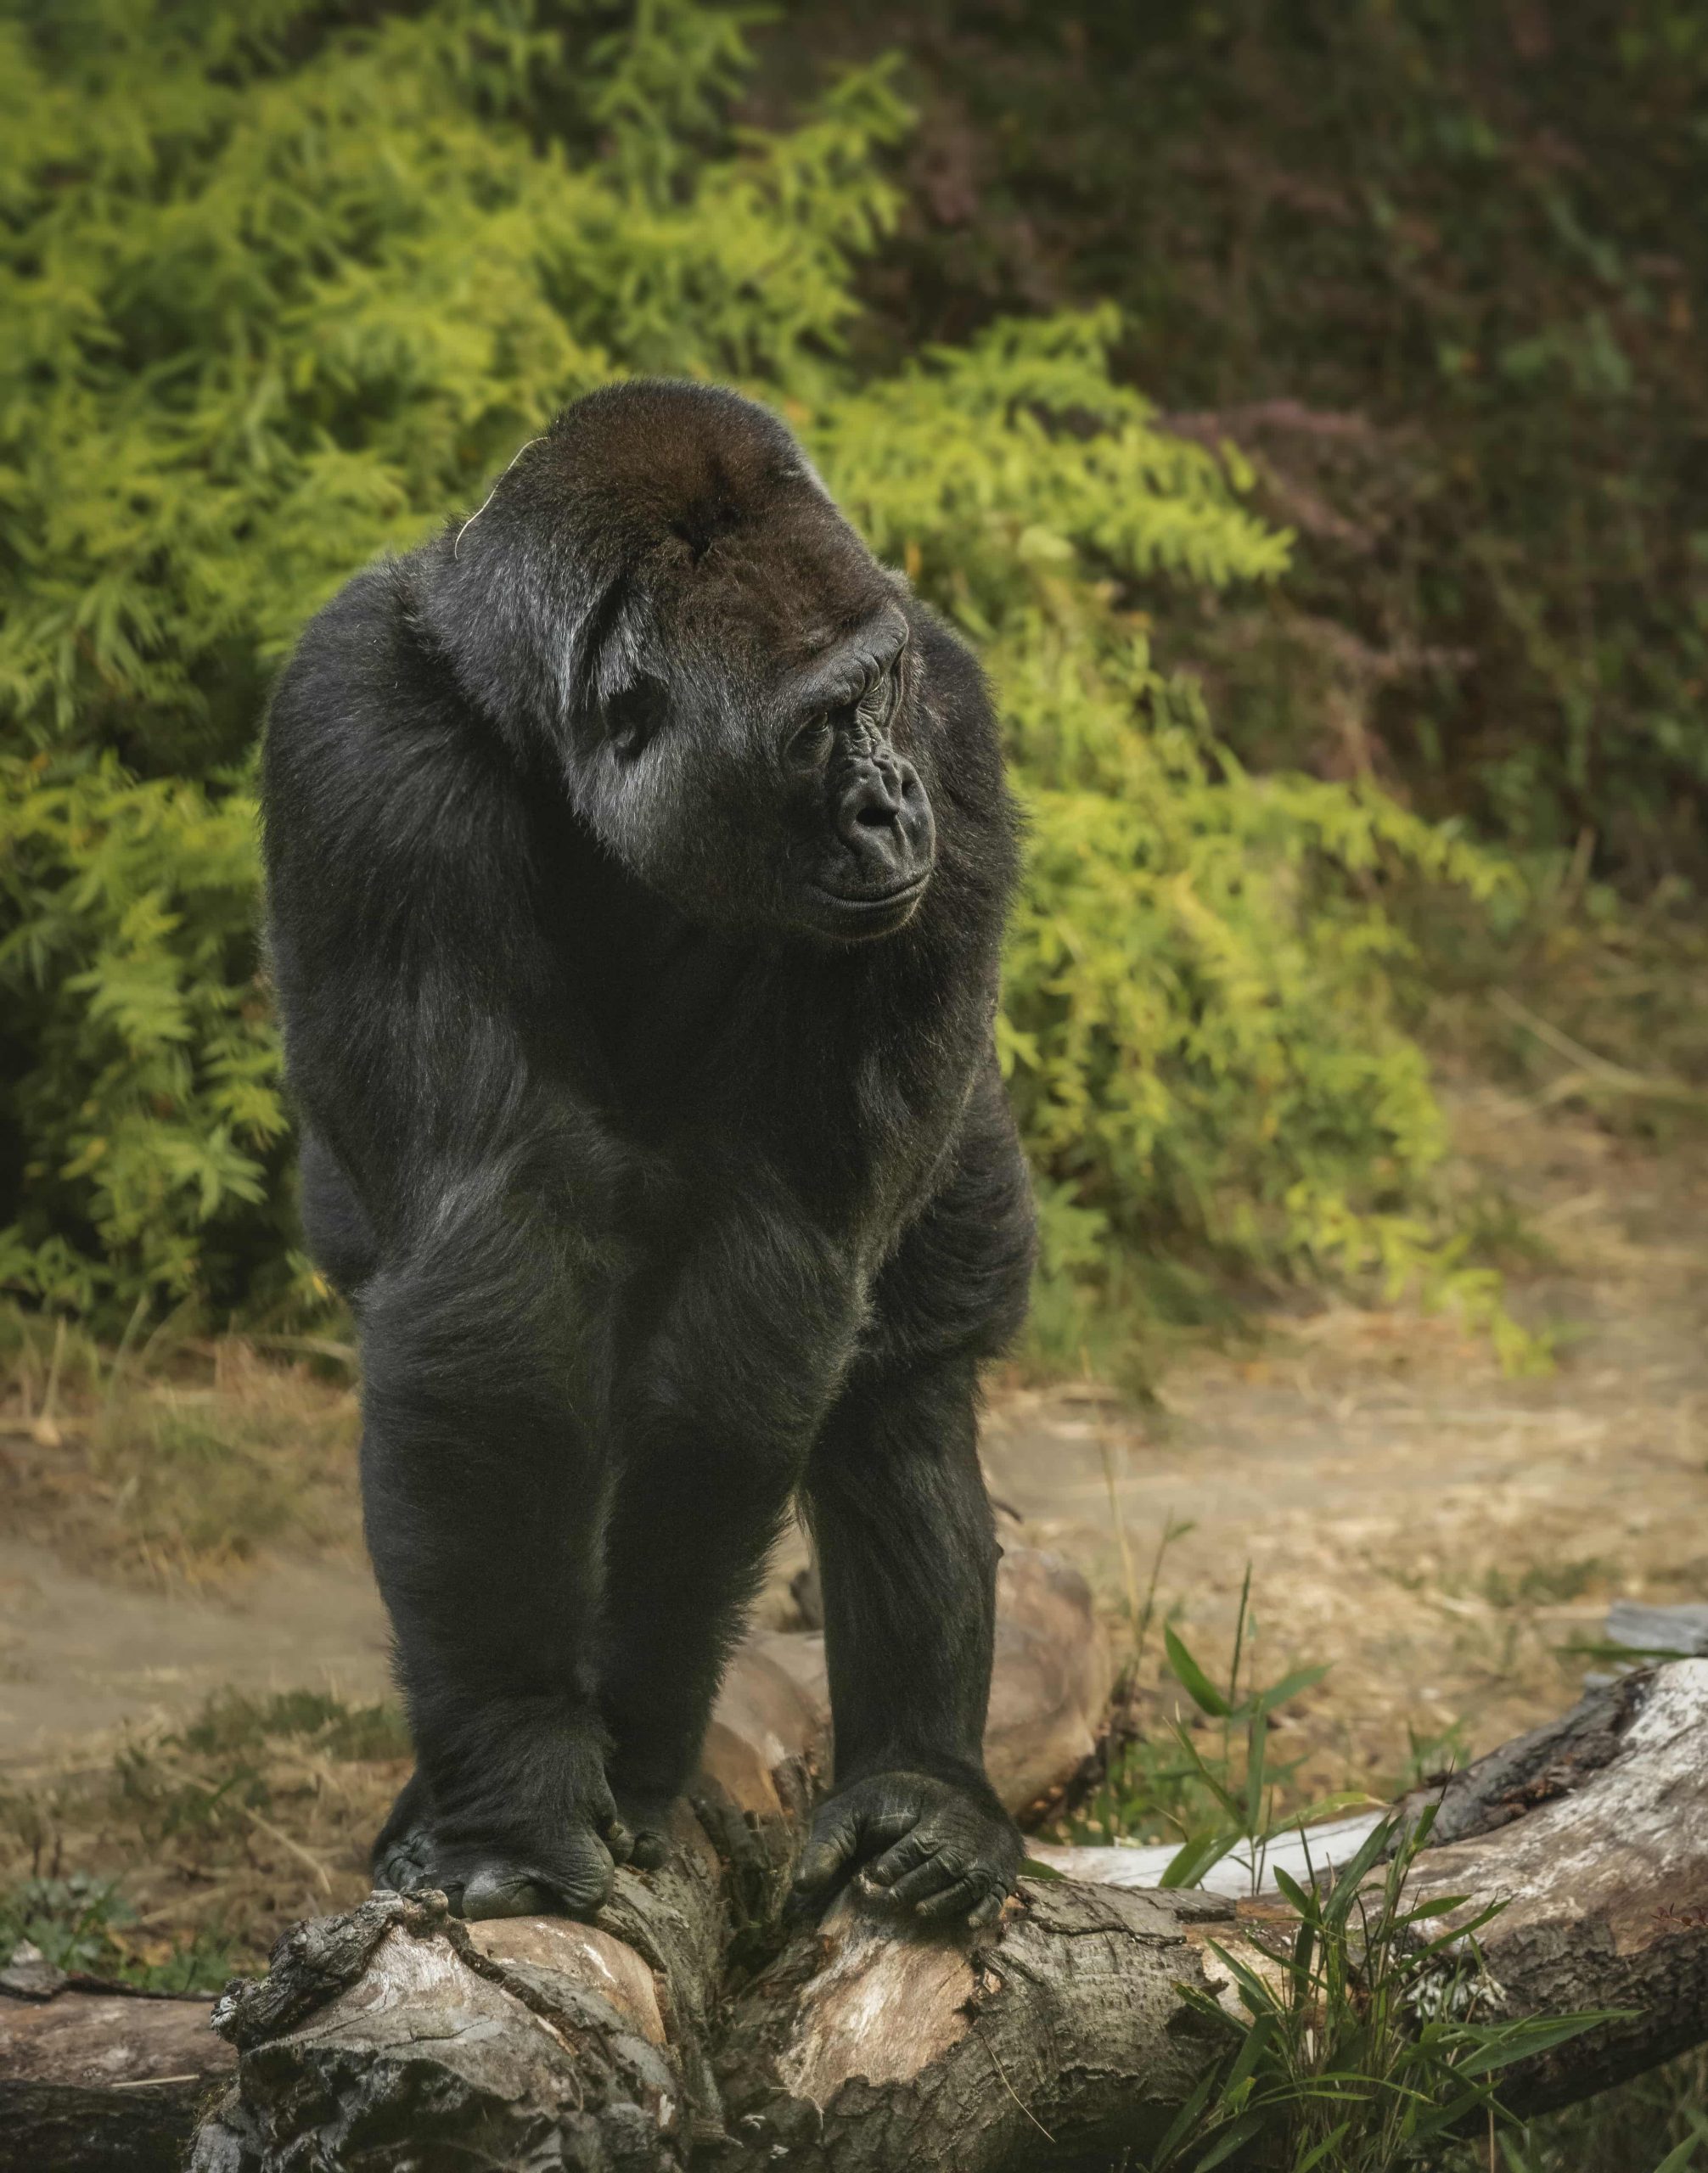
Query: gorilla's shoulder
(354, 645)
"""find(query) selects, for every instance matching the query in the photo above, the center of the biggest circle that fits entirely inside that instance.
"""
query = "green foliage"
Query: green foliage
(285, 285)
(149, 1100)
(1381, 2038)
(86, 1927)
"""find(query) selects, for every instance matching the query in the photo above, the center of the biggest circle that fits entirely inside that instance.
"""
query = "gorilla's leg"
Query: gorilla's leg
(685, 1554)
(908, 1557)
(483, 1497)
(719, 1410)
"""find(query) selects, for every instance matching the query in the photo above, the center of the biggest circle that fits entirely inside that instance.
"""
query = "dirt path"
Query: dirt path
(81, 1658)
(1437, 1532)
(1442, 1534)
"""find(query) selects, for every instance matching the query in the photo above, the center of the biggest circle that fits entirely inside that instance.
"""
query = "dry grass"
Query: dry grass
(181, 1466)
(197, 1846)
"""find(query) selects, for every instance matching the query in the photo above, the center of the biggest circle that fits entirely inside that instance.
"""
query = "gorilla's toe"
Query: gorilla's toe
(501, 1891)
(648, 1820)
(404, 1862)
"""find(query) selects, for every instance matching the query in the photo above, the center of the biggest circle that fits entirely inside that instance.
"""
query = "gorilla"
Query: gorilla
(636, 858)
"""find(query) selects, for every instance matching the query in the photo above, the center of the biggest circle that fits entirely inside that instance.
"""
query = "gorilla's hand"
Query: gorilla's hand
(941, 1850)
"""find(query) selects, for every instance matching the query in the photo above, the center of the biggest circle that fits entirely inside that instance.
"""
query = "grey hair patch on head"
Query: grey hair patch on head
(456, 546)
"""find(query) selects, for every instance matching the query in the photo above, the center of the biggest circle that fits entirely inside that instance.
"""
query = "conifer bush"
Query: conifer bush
(282, 285)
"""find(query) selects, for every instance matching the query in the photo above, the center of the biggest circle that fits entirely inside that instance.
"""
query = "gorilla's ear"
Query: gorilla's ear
(633, 713)
(542, 624)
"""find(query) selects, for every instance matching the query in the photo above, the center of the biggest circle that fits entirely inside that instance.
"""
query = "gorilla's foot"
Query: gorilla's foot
(505, 1874)
(496, 1878)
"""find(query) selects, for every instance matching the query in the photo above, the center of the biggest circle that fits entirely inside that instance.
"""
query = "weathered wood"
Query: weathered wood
(97, 2078)
(1065, 2037)
(1594, 1833)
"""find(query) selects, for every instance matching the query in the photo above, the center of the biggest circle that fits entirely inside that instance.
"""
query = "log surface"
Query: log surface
(98, 2078)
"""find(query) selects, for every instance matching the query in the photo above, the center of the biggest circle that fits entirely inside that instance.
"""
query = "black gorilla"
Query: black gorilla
(638, 857)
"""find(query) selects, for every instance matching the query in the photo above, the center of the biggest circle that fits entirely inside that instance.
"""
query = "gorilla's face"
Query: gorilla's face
(774, 778)
(854, 802)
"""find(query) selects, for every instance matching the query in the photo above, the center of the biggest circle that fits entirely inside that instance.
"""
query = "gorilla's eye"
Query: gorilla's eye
(812, 744)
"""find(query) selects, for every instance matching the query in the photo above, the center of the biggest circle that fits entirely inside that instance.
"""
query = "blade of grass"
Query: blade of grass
(1192, 1678)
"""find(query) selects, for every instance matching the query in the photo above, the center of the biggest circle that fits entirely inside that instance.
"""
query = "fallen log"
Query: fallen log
(98, 2079)
(93, 2077)
(688, 2025)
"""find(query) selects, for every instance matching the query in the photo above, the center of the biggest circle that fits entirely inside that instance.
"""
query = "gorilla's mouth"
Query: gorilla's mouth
(863, 913)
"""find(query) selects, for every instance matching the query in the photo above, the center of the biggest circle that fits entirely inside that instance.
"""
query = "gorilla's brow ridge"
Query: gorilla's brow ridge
(852, 666)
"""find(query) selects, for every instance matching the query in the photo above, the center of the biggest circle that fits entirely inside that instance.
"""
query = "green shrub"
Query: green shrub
(282, 285)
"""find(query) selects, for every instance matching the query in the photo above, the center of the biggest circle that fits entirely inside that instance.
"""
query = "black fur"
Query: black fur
(638, 857)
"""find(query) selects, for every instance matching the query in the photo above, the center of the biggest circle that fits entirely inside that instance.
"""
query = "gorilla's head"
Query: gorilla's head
(660, 591)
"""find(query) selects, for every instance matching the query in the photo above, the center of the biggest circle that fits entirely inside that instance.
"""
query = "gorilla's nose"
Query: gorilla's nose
(872, 800)
(884, 819)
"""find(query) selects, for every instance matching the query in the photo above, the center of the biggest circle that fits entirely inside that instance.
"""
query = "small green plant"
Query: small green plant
(1215, 1784)
(1370, 2040)
(84, 1925)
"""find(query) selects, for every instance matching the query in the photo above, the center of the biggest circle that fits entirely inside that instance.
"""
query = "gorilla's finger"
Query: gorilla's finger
(618, 1840)
(839, 1841)
(965, 1897)
(830, 1849)
(915, 1845)
(989, 1909)
(942, 1868)
(584, 1875)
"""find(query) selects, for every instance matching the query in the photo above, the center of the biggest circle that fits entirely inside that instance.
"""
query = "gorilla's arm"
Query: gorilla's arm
(412, 966)
(484, 1492)
(907, 1554)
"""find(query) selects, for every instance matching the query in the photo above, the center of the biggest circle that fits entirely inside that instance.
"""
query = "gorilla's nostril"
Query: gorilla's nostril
(870, 807)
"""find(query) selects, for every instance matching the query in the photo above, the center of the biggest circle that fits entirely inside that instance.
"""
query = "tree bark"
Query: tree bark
(689, 2025)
